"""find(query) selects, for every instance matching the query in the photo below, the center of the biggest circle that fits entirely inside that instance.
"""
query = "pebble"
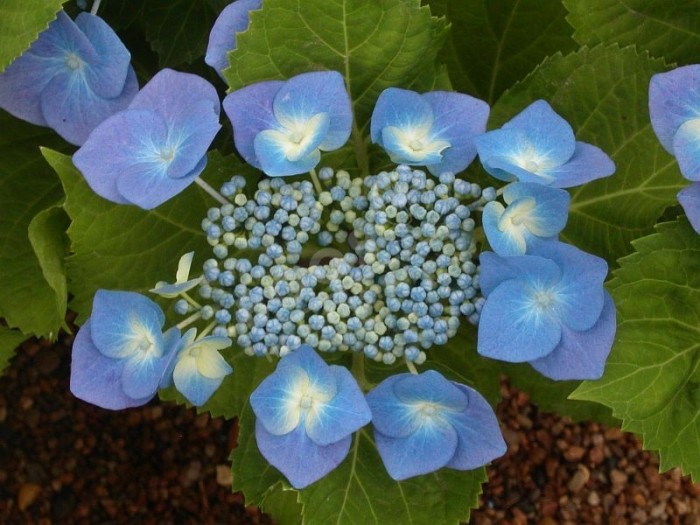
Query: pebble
(28, 493)
(579, 479)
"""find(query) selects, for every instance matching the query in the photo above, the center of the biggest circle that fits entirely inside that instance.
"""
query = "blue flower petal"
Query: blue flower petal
(300, 460)
(429, 448)
(515, 326)
(689, 198)
(496, 149)
(391, 416)
(402, 109)
(275, 151)
(188, 380)
(674, 98)
(173, 344)
(495, 269)
(587, 163)
(686, 147)
(504, 237)
(276, 401)
(125, 323)
(581, 355)
(345, 413)
(250, 111)
(142, 375)
(96, 378)
(479, 437)
(322, 378)
(233, 19)
(430, 387)
(549, 215)
(458, 119)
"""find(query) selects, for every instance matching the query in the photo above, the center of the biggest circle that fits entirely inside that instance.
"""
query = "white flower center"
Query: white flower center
(73, 61)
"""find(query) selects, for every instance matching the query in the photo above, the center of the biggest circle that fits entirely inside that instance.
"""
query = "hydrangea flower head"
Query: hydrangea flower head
(120, 354)
(199, 368)
(75, 75)
(153, 150)
(538, 145)
(306, 413)
(548, 309)
(435, 129)
(425, 422)
(533, 212)
(233, 19)
(282, 127)
(674, 108)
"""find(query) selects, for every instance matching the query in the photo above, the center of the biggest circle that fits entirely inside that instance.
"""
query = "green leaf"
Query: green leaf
(9, 341)
(373, 44)
(665, 29)
(494, 43)
(178, 30)
(359, 490)
(21, 21)
(282, 503)
(602, 93)
(27, 187)
(121, 247)
(652, 377)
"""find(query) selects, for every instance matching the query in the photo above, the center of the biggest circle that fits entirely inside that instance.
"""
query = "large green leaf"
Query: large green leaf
(374, 44)
(652, 377)
(21, 21)
(360, 490)
(28, 186)
(121, 247)
(9, 341)
(665, 29)
(494, 43)
(602, 93)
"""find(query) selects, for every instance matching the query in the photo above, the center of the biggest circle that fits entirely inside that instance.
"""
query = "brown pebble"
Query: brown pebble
(547, 521)
(574, 453)
(28, 492)
(617, 477)
(579, 479)
(593, 499)
(223, 475)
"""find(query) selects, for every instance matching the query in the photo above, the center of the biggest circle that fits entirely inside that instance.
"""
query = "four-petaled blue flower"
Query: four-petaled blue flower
(306, 414)
(182, 282)
(199, 368)
(539, 146)
(533, 212)
(674, 108)
(282, 127)
(153, 150)
(549, 309)
(120, 355)
(425, 422)
(435, 129)
(75, 75)
(222, 38)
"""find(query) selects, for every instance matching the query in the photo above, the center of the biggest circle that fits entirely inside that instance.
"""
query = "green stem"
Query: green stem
(191, 301)
(211, 191)
(358, 371)
(206, 331)
(95, 7)
(411, 367)
(360, 148)
(186, 322)
(316, 181)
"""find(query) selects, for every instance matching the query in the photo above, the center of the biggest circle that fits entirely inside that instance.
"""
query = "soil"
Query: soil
(63, 461)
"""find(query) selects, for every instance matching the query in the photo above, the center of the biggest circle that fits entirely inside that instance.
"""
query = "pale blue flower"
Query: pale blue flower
(182, 282)
(533, 212)
(306, 413)
(548, 309)
(157, 147)
(75, 75)
(435, 129)
(222, 39)
(282, 127)
(538, 145)
(689, 198)
(425, 422)
(120, 354)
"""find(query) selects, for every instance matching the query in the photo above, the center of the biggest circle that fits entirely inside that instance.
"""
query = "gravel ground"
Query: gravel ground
(63, 462)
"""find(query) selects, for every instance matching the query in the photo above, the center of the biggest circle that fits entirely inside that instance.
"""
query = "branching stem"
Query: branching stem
(211, 191)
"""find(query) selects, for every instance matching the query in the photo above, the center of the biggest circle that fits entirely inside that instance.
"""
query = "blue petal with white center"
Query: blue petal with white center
(222, 39)
(686, 146)
(199, 367)
(425, 422)
(533, 211)
(689, 198)
(157, 147)
(282, 127)
(305, 413)
(434, 129)
(73, 76)
(538, 146)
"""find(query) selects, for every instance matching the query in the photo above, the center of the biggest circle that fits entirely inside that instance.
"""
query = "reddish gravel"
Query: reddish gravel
(63, 461)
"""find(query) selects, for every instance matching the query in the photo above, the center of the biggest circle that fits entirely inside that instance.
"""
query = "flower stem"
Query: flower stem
(411, 367)
(211, 191)
(189, 299)
(95, 7)
(186, 322)
(358, 370)
(206, 331)
(316, 181)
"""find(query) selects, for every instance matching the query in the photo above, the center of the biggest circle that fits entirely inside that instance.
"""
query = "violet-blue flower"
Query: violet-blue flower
(233, 19)
(548, 309)
(75, 75)
(157, 147)
(282, 127)
(689, 198)
(120, 354)
(538, 145)
(425, 422)
(306, 413)
(182, 282)
(435, 129)
(533, 212)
